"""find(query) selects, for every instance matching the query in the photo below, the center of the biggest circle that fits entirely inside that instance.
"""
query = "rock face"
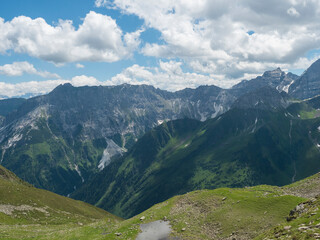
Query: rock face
(276, 79)
(265, 98)
(308, 85)
(57, 141)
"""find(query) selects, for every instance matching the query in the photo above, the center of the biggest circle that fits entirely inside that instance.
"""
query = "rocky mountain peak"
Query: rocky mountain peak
(276, 79)
(266, 98)
(308, 85)
(276, 73)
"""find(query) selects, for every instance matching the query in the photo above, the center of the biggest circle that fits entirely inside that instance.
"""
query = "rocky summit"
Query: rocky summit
(308, 85)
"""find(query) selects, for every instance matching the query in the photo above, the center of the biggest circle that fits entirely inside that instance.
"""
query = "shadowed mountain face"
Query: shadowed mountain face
(265, 98)
(308, 85)
(57, 141)
(264, 143)
(276, 79)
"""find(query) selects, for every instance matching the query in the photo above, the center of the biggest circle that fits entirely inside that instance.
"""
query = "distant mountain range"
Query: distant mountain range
(60, 140)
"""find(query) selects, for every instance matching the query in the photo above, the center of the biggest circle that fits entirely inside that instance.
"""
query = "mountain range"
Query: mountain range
(61, 140)
(147, 154)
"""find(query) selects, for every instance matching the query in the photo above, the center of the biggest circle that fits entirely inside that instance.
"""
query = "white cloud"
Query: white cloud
(20, 68)
(83, 80)
(168, 76)
(98, 38)
(100, 3)
(293, 12)
(211, 35)
(34, 88)
(79, 65)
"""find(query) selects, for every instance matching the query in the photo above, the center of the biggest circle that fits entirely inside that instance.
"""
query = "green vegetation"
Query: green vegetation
(51, 161)
(206, 214)
(303, 223)
(27, 212)
(242, 213)
(243, 147)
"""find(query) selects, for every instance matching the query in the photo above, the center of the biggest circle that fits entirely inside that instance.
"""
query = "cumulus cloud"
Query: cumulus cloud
(34, 88)
(20, 68)
(293, 12)
(169, 76)
(79, 65)
(84, 80)
(214, 34)
(98, 38)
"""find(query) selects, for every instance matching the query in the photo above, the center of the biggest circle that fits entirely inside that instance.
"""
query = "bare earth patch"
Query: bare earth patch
(9, 209)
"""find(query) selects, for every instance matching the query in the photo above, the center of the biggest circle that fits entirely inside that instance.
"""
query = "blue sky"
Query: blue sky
(74, 10)
(168, 44)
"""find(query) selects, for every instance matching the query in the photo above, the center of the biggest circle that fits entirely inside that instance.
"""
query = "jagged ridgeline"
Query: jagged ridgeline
(59, 140)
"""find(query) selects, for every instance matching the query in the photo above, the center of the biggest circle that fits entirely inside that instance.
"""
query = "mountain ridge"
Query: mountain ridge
(59, 140)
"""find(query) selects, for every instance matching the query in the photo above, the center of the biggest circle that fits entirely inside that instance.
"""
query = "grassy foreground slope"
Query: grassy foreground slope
(205, 214)
(30, 213)
(239, 213)
(225, 213)
(303, 222)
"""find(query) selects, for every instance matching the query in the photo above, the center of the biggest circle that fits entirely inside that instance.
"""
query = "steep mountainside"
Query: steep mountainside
(308, 85)
(248, 145)
(265, 98)
(22, 204)
(9, 105)
(57, 141)
(276, 79)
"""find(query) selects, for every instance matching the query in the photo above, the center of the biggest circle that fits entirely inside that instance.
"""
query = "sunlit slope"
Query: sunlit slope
(27, 211)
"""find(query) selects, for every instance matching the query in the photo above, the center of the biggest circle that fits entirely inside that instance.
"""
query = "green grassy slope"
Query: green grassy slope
(27, 212)
(239, 213)
(240, 148)
(207, 214)
(302, 223)
(242, 213)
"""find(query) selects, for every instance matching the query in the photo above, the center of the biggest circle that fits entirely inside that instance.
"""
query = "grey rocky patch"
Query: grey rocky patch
(112, 150)
(158, 230)
(276, 79)
(10, 209)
